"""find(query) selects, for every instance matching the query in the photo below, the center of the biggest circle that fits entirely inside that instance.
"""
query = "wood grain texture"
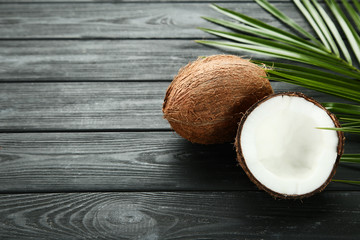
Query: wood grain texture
(123, 20)
(138, 161)
(92, 106)
(81, 88)
(97, 60)
(101, 60)
(149, 161)
(76, 106)
(183, 215)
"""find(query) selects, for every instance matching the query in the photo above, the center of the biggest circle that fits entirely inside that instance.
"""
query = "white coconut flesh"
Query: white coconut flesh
(283, 147)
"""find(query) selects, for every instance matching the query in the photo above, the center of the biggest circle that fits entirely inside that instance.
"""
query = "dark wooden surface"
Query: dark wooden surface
(86, 154)
(175, 20)
(178, 215)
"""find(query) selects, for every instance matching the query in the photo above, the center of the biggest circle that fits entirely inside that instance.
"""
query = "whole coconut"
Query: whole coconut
(207, 98)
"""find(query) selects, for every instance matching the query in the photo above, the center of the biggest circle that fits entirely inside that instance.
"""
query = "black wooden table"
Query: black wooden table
(86, 154)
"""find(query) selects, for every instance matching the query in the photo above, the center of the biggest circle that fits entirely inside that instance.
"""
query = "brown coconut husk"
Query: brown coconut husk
(242, 161)
(207, 98)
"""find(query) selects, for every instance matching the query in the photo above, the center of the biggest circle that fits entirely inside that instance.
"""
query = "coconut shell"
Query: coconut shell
(241, 159)
(207, 98)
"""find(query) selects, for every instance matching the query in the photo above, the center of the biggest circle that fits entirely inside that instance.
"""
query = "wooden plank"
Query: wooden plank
(115, 161)
(96, 60)
(92, 106)
(123, 20)
(184, 215)
(128, 161)
(76, 106)
(105, 60)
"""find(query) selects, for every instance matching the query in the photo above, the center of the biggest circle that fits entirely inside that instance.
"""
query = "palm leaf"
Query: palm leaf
(321, 27)
(333, 74)
(325, 87)
(347, 181)
(288, 21)
(328, 63)
(286, 51)
(357, 5)
(334, 31)
(351, 158)
(279, 51)
(266, 34)
(315, 74)
(262, 26)
(351, 124)
(343, 108)
(344, 129)
(353, 14)
(350, 120)
(311, 15)
(350, 33)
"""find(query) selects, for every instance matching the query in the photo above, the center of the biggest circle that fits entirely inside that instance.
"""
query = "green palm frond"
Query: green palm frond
(351, 158)
(333, 30)
(357, 5)
(327, 65)
(347, 181)
(329, 61)
(351, 35)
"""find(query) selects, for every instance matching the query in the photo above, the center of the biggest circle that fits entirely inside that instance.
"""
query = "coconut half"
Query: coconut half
(281, 148)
